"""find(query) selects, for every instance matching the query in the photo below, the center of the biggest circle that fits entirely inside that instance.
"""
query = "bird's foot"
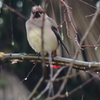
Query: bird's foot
(38, 54)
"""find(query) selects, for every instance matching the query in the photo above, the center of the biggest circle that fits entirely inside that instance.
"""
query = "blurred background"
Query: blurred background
(13, 40)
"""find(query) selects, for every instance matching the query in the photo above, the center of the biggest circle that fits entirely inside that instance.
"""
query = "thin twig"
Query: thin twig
(90, 26)
(77, 88)
(81, 86)
(41, 94)
(76, 54)
(61, 24)
(92, 46)
(61, 78)
(43, 62)
(28, 73)
(87, 4)
(51, 75)
(36, 88)
(61, 87)
(67, 28)
(90, 15)
(97, 40)
(71, 22)
(86, 33)
(14, 11)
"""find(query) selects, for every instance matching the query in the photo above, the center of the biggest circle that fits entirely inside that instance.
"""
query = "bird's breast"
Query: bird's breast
(49, 38)
(34, 39)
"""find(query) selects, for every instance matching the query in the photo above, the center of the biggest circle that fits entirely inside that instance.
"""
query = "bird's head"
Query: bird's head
(37, 12)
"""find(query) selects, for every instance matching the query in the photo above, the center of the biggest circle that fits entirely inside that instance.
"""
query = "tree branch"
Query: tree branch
(18, 57)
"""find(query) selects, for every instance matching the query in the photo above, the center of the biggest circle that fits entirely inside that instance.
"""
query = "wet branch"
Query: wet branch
(18, 57)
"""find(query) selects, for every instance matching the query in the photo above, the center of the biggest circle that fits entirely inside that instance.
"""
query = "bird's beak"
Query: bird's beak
(36, 14)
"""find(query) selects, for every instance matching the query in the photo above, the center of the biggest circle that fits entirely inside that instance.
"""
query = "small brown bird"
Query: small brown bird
(51, 35)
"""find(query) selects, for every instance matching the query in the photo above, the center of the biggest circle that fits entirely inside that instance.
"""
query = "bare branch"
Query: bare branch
(17, 57)
(91, 24)
(87, 4)
(76, 89)
(71, 22)
(14, 11)
(92, 46)
(43, 63)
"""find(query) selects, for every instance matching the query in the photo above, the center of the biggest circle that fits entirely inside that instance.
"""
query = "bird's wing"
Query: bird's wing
(55, 30)
(59, 38)
(53, 23)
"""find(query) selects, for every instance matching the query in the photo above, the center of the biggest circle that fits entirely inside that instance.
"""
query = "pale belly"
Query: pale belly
(50, 40)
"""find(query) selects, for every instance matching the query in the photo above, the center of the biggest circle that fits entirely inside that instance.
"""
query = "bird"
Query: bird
(51, 35)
